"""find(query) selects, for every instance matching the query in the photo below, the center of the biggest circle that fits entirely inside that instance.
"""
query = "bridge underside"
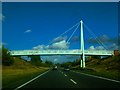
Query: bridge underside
(60, 52)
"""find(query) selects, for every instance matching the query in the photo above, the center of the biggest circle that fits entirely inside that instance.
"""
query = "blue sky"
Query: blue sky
(35, 25)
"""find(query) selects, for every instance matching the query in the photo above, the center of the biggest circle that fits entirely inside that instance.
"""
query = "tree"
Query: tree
(6, 57)
(96, 57)
(48, 63)
(36, 60)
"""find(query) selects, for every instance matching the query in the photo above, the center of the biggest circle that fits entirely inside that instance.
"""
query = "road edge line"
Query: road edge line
(30, 80)
(98, 77)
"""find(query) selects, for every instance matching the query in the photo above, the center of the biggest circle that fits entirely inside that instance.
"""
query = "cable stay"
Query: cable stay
(66, 31)
(73, 33)
(96, 38)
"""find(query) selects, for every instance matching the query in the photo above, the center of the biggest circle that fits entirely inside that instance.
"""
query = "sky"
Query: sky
(27, 26)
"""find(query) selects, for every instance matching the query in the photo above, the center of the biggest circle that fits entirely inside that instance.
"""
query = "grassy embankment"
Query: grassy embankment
(109, 68)
(19, 73)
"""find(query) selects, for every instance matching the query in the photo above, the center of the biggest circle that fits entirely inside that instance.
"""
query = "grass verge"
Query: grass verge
(19, 73)
(13, 78)
(115, 75)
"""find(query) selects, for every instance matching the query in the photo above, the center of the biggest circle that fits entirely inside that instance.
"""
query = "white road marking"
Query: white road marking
(98, 77)
(31, 80)
(73, 81)
(65, 75)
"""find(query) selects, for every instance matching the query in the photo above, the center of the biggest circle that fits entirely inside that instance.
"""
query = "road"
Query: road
(68, 79)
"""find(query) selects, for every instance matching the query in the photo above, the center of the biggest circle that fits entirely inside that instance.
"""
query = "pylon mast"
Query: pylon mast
(82, 45)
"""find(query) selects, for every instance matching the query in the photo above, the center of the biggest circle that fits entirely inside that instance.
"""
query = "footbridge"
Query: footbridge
(61, 52)
(82, 52)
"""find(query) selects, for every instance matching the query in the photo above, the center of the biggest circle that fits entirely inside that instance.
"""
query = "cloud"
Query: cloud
(27, 31)
(58, 45)
(2, 17)
(59, 58)
(91, 48)
(75, 38)
(58, 39)
(111, 42)
(113, 46)
(96, 48)
(39, 47)
(104, 39)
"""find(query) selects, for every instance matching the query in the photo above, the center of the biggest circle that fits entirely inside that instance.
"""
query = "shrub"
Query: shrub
(6, 57)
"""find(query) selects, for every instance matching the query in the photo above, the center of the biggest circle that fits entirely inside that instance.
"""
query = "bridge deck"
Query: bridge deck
(60, 52)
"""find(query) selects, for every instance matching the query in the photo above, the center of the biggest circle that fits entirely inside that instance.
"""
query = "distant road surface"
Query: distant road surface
(68, 79)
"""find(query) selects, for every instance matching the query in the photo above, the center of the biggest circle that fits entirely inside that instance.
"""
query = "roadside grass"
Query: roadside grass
(12, 78)
(115, 75)
(108, 68)
(19, 73)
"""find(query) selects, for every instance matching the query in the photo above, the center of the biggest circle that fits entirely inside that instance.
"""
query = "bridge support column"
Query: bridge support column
(81, 65)
(82, 61)
(82, 45)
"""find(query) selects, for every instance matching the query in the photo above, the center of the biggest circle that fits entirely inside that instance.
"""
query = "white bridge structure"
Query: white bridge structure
(61, 52)
(81, 51)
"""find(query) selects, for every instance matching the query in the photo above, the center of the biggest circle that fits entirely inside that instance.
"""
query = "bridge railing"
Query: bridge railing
(38, 52)
(95, 52)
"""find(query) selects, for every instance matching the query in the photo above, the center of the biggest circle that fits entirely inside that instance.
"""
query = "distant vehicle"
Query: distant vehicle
(66, 69)
(54, 67)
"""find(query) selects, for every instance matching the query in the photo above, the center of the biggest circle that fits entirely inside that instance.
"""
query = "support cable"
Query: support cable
(72, 33)
(96, 38)
(66, 31)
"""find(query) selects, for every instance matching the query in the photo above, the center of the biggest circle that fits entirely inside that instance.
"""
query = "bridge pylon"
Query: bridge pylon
(82, 45)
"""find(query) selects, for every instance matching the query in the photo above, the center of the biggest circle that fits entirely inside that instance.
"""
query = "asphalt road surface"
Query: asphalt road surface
(68, 79)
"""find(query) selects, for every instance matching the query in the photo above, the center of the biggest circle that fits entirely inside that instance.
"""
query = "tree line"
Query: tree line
(8, 60)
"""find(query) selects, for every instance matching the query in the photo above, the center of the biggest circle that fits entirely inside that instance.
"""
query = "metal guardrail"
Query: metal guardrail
(56, 52)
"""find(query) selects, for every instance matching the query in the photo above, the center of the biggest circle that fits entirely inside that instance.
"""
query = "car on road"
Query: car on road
(54, 67)
(66, 69)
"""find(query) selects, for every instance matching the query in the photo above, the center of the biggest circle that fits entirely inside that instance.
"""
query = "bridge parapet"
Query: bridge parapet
(60, 52)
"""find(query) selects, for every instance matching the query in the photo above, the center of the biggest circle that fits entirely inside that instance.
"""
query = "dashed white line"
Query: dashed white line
(30, 80)
(65, 75)
(73, 81)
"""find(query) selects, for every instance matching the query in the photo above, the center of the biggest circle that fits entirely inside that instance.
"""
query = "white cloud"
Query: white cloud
(96, 48)
(39, 47)
(58, 39)
(100, 48)
(27, 31)
(113, 46)
(58, 45)
(91, 48)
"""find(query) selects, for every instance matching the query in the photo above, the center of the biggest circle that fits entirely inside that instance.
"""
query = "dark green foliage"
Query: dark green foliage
(117, 58)
(49, 63)
(6, 57)
(36, 60)
(96, 57)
